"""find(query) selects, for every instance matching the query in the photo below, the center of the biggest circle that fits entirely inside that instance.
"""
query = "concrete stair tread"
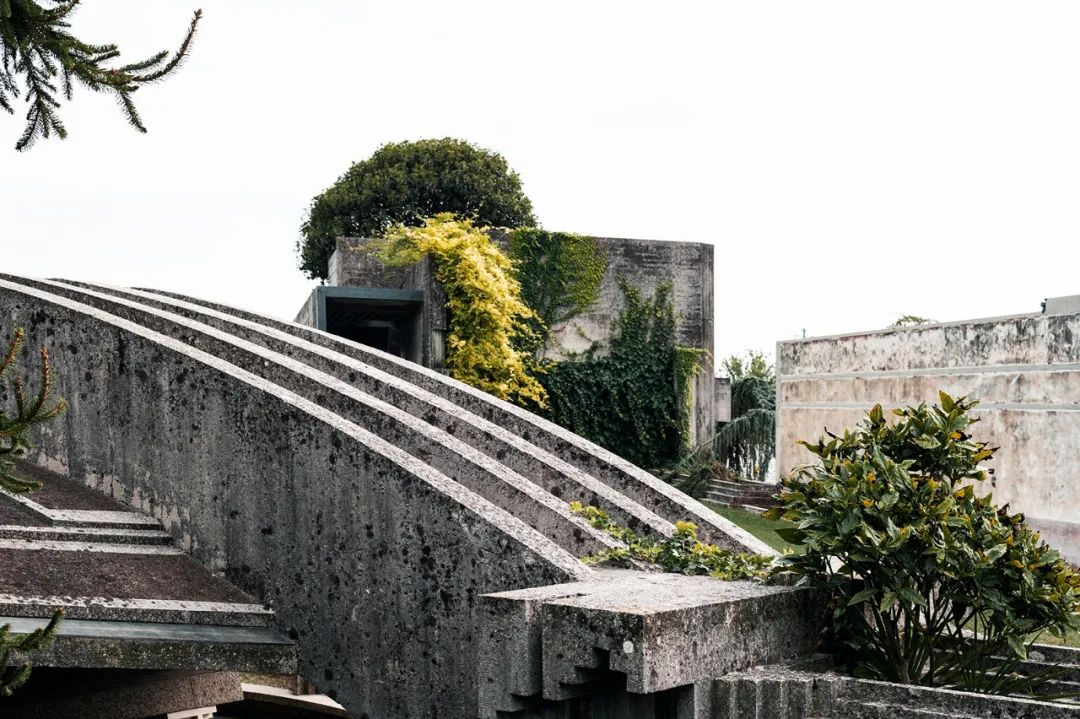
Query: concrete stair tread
(149, 645)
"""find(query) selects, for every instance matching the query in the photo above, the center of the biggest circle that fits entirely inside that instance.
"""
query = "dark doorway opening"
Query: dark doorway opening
(390, 325)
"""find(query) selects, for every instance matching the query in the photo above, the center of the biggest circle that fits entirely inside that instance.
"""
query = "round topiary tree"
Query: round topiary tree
(405, 182)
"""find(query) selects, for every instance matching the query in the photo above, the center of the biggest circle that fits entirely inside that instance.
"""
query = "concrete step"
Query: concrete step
(86, 534)
(154, 611)
(875, 710)
(92, 644)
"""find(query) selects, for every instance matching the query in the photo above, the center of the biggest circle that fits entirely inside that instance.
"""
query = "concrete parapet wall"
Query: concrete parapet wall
(1024, 369)
(371, 558)
(570, 449)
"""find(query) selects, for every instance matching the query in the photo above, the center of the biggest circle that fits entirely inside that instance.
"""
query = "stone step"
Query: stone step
(90, 534)
(846, 709)
(93, 644)
(155, 611)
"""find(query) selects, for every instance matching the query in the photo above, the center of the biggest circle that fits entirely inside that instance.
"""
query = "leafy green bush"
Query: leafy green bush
(406, 182)
(681, 553)
(930, 583)
(634, 400)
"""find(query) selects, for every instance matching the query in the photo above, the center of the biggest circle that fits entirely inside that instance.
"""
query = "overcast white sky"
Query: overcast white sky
(851, 161)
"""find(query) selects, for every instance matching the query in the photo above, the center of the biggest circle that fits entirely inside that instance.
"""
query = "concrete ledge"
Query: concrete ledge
(90, 644)
(657, 631)
(165, 611)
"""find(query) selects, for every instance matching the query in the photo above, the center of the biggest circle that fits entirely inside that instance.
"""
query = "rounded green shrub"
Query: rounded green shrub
(930, 582)
(406, 182)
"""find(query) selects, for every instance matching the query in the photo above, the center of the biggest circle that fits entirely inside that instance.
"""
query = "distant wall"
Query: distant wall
(1025, 370)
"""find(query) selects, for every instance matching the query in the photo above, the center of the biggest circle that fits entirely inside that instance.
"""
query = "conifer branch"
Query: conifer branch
(36, 48)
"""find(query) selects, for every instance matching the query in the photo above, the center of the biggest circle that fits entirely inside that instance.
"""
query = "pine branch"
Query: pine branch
(36, 47)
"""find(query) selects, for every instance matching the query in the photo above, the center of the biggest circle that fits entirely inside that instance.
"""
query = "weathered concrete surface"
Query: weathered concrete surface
(657, 632)
(62, 694)
(439, 449)
(1024, 369)
(371, 559)
(570, 449)
(804, 691)
(559, 478)
(643, 264)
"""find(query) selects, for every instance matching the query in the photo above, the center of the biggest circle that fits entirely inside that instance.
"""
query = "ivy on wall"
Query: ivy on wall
(560, 275)
(488, 319)
(634, 400)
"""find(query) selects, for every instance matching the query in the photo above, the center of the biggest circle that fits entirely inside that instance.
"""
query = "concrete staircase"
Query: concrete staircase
(132, 599)
(808, 690)
(741, 494)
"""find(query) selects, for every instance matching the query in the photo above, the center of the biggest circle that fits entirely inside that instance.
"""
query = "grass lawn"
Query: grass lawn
(752, 522)
(1070, 640)
(766, 532)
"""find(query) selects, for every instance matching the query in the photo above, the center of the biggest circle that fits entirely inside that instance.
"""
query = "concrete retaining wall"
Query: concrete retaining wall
(371, 559)
(1025, 370)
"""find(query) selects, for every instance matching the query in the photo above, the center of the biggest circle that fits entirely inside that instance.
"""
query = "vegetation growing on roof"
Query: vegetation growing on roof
(404, 183)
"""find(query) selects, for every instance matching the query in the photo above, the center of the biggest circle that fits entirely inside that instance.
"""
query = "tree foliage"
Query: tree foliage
(27, 412)
(405, 183)
(487, 316)
(752, 364)
(747, 444)
(930, 582)
(15, 422)
(43, 61)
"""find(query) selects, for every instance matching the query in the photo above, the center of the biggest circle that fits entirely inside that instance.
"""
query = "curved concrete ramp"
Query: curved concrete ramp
(368, 500)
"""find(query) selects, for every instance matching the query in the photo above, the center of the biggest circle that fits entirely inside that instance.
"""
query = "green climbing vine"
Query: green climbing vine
(681, 553)
(633, 400)
(559, 273)
(632, 395)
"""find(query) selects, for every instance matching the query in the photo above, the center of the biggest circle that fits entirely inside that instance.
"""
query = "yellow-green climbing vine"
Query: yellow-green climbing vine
(489, 322)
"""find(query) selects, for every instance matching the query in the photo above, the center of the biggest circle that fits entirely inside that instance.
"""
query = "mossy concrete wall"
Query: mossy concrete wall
(643, 264)
(1024, 369)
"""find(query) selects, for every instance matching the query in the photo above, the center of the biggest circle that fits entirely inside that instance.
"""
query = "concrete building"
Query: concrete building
(403, 310)
(1024, 369)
